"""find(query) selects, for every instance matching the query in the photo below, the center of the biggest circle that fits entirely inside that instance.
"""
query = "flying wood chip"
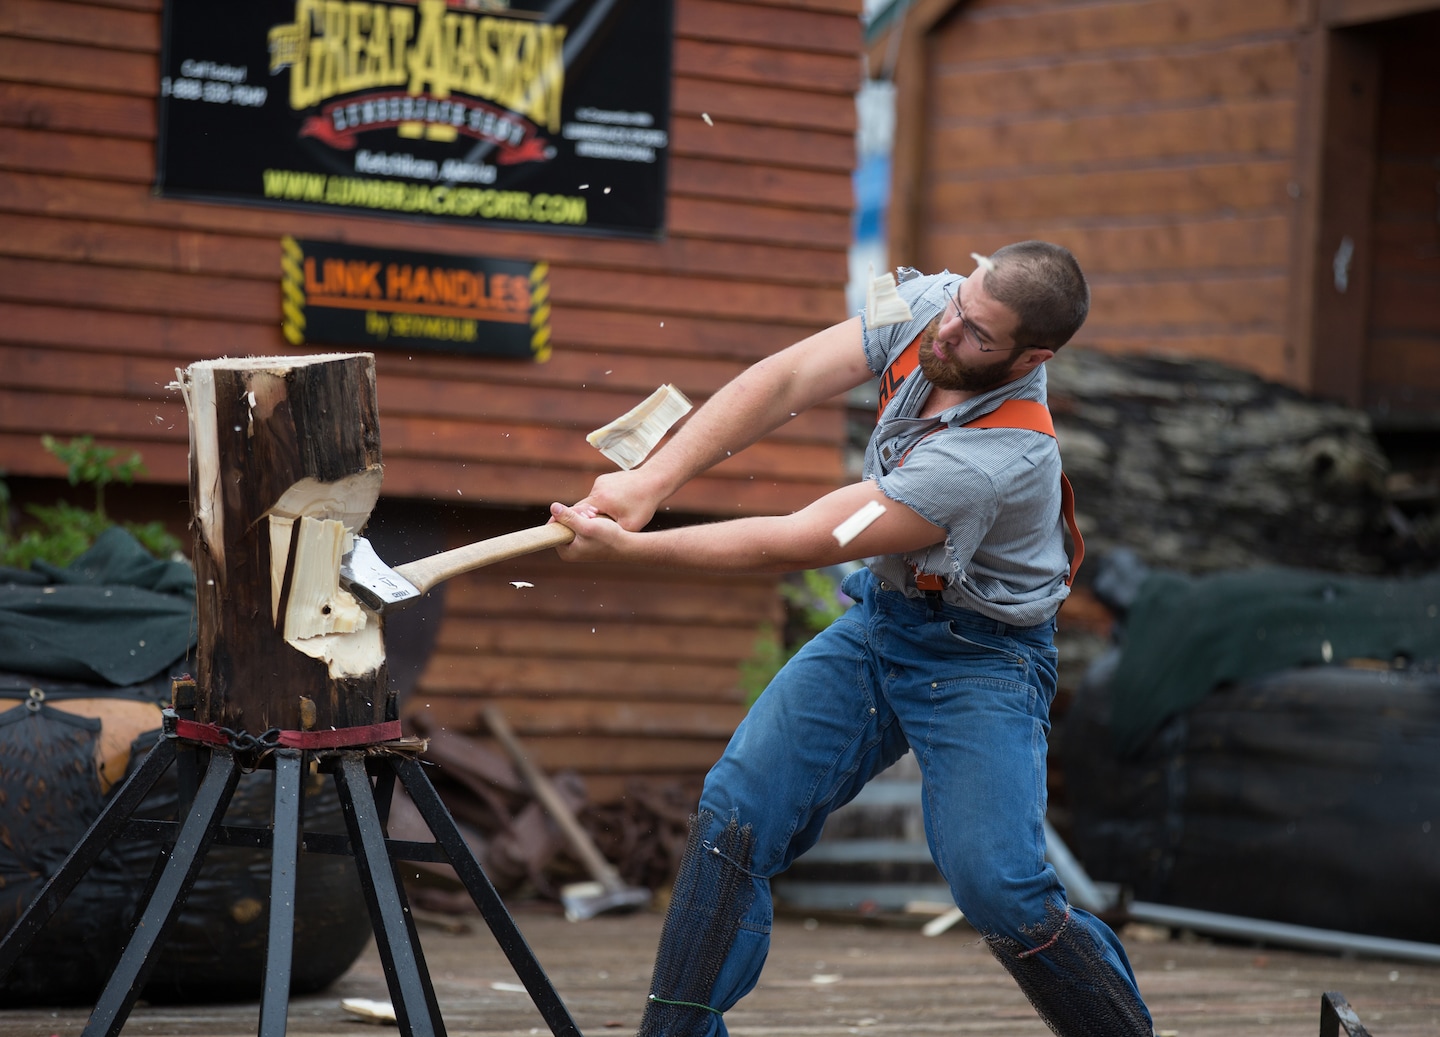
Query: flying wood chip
(371, 1011)
(629, 439)
(883, 305)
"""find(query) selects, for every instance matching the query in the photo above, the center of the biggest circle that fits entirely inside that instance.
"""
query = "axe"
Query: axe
(384, 589)
(609, 893)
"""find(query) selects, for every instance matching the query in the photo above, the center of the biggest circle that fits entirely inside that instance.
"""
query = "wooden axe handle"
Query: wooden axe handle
(425, 573)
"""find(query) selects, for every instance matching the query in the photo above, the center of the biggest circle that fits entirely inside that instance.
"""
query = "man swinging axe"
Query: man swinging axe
(948, 650)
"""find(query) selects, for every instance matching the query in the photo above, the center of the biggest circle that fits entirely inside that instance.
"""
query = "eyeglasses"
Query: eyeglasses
(971, 329)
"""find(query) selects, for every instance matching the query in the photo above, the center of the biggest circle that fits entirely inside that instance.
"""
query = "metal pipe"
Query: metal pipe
(1282, 933)
(1084, 893)
(1079, 887)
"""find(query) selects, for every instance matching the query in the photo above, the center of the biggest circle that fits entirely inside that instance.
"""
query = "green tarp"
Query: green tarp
(1184, 635)
(116, 614)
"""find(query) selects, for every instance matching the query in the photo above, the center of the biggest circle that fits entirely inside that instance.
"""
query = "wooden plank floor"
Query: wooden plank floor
(827, 977)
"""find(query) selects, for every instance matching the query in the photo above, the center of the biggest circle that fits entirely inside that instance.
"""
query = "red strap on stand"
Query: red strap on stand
(333, 738)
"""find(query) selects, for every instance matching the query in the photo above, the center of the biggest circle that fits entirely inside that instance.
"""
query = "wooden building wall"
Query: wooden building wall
(1154, 138)
(106, 288)
(1402, 362)
(1182, 149)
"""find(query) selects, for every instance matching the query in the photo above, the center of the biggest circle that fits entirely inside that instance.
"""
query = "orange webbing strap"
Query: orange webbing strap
(1028, 414)
(928, 581)
(1067, 508)
(1024, 414)
(897, 372)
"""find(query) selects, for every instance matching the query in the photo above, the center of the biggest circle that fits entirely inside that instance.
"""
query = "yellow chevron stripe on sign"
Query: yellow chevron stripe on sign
(540, 312)
(292, 290)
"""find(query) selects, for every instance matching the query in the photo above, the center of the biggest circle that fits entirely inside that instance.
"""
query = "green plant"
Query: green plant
(60, 533)
(766, 657)
(816, 599)
(811, 605)
(87, 463)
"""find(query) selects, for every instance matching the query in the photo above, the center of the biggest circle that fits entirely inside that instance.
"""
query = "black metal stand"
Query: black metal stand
(1336, 1013)
(365, 805)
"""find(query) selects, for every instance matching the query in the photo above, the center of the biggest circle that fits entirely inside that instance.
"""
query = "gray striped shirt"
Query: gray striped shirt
(995, 492)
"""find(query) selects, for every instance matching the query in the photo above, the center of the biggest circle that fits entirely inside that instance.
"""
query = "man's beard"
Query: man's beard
(951, 376)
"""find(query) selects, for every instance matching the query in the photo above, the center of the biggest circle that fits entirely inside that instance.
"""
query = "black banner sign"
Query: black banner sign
(349, 295)
(534, 113)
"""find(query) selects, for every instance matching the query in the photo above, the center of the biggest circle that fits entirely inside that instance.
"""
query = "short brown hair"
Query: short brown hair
(1044, 286)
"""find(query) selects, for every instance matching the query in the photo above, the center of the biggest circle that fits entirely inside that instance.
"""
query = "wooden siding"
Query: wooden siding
(1154, 138)
(106, 288)
(1335, 233)
(1402, 371)
(101, 274)
(616, 673)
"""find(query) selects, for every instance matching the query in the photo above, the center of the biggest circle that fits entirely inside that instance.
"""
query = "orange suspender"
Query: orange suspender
(897, 372)
(1023, 414)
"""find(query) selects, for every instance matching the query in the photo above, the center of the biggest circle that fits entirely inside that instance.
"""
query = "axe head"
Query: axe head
(373, 582)
(584, 900)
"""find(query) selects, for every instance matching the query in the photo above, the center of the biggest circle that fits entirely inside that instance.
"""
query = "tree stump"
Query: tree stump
(284, 471)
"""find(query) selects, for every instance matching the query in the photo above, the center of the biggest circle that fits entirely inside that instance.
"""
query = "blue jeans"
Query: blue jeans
(971, 697)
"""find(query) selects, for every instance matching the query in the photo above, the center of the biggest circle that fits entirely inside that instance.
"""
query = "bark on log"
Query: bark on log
(284, 470)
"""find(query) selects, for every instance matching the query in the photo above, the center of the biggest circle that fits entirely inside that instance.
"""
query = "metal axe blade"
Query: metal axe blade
(372, 581)
(583, 900)
(386, 589)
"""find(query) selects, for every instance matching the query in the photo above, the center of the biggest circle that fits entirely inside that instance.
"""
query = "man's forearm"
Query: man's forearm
(736, 416)
(746, 545)
(761, 399)
(760, 544)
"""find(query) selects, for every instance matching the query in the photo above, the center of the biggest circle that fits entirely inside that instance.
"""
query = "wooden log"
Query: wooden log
(284, 469)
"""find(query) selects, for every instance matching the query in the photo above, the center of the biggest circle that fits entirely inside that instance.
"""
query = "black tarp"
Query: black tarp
(1309, 796)
(216, 947)
(1264, 743)
(1184, 636)
(118, 623)
(116, 614)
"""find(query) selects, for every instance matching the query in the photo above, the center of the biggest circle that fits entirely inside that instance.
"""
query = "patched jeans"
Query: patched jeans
(971, 697)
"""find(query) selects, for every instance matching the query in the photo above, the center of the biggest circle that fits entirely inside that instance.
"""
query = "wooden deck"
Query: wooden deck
(832, 976)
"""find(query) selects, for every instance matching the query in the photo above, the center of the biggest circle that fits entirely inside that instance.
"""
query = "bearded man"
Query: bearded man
(948, 651)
